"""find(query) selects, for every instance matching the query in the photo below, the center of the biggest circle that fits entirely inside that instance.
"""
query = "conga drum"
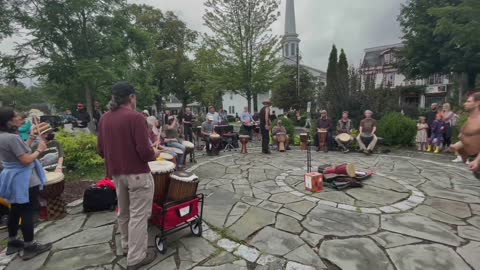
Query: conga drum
(216, 141)
(183, 185)
(165, 156)
(190, 150)
(303, 141)
(322, 139)
(244, 140)
(281, 140)
(52, 194)
(161, 177)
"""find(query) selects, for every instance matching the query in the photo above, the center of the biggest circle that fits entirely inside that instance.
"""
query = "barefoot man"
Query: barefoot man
(470, 137)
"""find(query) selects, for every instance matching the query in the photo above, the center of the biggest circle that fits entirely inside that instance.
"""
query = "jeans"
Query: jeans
(26, 212)
(181, 158)
(265, 139)
(188, 133)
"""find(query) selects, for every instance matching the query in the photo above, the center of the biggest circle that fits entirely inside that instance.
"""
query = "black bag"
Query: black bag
(99, 199)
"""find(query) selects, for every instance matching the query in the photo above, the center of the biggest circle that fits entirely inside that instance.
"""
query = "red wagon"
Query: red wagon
(173, 216)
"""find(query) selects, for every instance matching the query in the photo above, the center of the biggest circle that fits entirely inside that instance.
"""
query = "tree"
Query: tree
(6, 18)
(12, 68)
(80, 45)
(440, 36)
(284, 93)
(242, 36)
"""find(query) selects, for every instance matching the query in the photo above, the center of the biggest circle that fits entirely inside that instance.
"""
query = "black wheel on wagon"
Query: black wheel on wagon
(196, 228)
(161, 244)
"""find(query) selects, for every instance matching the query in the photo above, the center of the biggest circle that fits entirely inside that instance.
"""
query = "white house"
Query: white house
(379, 66)
(234, 103)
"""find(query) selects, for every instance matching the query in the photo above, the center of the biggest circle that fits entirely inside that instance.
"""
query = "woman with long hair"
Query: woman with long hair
(20, 183)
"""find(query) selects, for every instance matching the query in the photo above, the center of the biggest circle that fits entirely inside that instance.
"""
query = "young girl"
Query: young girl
(422, 127)
(436, 137)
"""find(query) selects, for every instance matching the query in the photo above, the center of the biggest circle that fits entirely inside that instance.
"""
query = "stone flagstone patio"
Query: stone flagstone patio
(417, 212)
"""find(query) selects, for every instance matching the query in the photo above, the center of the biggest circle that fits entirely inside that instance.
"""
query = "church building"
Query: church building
(234, 103)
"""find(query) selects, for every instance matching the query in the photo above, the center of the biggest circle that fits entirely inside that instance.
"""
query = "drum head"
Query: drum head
(183, 176)
(303, 134)
(166, 156)
(54, 177)
(188, 144)
(244, 136)
(176, 151)
(322, 130)
(344, 137)
(161, 166)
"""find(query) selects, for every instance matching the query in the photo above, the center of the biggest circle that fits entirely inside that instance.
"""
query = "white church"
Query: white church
(234, 103)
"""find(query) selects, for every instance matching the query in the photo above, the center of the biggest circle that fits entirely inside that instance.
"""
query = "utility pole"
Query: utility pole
(298, 70)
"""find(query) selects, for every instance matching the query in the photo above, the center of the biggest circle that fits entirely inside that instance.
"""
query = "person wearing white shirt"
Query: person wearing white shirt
(214, 114)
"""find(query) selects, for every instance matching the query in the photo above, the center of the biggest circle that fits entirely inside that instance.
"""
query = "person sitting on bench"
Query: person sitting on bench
(367, 140)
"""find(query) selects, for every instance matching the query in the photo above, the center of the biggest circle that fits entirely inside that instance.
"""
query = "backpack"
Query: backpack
(99, 199)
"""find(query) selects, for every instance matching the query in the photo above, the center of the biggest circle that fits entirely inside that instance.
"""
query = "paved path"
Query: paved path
(414, 214)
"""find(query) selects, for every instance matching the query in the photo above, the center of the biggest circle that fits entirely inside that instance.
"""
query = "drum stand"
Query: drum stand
(309, 154)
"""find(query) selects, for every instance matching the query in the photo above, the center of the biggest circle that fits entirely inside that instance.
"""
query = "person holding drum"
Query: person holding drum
(20, 183)
(247, 122)
(171, 140)
(367, 140)
(123, 143)
(344, 131)
(280, 130)
(208, 129)
(324, 127)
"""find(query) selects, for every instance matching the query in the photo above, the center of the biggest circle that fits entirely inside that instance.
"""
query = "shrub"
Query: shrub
(397, 129)
(80, 151)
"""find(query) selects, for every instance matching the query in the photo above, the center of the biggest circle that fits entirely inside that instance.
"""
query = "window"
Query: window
(387, 58)
(435, 79)
(231, 96)
(231, 109)
(389, 79)
(286, 50)
(292, 48)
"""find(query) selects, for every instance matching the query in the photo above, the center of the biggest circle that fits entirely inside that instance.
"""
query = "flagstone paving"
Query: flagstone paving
(417, 212)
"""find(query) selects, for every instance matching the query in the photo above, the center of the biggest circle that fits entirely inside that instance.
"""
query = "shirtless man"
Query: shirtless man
(470, 138)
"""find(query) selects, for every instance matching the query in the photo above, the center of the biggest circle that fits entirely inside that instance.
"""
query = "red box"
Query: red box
(314, 182)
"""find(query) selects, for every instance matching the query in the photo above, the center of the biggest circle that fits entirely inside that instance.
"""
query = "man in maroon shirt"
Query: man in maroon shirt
(123, 143)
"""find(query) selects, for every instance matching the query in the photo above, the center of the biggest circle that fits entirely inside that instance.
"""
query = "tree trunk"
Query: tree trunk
(89, 98)
(471, 80)
(255, 102)
(249, 100)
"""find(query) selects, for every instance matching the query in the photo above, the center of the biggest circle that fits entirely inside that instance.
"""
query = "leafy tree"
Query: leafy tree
(20, 97)
(6, 18)
(440, 36)
(241, 34)
(284, 93)
(12, 68)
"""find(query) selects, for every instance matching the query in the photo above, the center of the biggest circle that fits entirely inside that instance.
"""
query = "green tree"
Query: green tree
(81, 44)
(284, 93)
(241, 34)
(440, 36)
(20, 97)
(6, 18)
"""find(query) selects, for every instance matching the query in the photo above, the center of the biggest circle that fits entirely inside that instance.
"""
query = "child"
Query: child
(422, 127)
(436, 137)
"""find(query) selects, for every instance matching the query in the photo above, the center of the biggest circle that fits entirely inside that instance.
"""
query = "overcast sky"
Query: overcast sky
(351, 24)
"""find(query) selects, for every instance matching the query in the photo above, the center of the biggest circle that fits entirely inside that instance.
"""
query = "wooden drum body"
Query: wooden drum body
(303, 141)
(322, 139)
(183, 185)
(281, 140)
(161, 177)
(216, 141)
(52, 196)
(244, 140)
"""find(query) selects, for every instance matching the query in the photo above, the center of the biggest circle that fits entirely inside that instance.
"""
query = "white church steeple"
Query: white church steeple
(290, 40)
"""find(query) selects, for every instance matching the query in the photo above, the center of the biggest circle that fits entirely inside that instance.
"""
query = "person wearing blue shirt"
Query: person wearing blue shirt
(20, 182)
(247, 122)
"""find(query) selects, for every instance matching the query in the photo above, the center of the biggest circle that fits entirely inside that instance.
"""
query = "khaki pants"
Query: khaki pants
(135, 196)
(372, 144)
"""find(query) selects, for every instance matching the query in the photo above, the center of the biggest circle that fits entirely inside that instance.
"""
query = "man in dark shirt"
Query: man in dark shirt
(265, 126)
(324, 125)
(367, 140)
(187, 124)
(83, 118)
(123, 142)
(431, 115)
(344, 126)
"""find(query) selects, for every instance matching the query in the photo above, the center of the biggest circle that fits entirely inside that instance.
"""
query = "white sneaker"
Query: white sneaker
(458, 159)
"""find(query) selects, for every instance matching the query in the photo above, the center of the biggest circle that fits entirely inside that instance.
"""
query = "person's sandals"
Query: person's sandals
(14, 246)
(35, 249)
(151, 256)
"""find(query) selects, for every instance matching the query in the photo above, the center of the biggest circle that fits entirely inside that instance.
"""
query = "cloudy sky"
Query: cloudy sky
(350, 24)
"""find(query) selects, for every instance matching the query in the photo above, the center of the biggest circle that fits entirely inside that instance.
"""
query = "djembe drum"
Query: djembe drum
(281, 140)
(244, 139)
(190, 150)
(166, 156)
(183, 185)
(303, 141)
(216, 143)
(322, 139)
(52, 194)
(161, 177)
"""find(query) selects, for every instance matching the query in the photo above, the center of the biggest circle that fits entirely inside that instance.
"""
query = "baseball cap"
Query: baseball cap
(123, 89)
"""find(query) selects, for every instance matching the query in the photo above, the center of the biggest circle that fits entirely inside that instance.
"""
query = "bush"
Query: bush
(80, 151)
(397, 129)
